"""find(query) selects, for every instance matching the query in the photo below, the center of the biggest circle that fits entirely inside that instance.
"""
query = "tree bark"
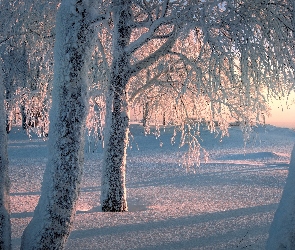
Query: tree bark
(113, 193)
(54, 214)
(5, 226)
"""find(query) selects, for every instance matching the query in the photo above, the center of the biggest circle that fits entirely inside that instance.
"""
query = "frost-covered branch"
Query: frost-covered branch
(146, 62)
(144, 38)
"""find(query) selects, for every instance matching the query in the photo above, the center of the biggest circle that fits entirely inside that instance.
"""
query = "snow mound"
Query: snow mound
(250, 156)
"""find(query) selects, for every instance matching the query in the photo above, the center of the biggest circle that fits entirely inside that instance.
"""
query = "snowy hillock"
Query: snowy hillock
(250, 156)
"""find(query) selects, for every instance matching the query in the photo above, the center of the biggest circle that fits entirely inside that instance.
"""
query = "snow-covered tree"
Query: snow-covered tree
(219, 54)
(127, 16)
(210, 59)
(21, 22)
(54, 214)
(13, 72)
(282, 230)
(5, 228)
(281, 234)
(26, 50)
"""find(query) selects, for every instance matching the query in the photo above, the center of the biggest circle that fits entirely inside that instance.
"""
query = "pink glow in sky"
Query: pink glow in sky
(282, 115)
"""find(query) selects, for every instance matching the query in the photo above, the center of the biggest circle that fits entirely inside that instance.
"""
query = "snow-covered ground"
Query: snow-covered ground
(228, 203)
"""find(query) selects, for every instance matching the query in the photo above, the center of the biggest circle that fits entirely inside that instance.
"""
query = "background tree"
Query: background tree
(26, 50)
(22, 37)
(5, 229)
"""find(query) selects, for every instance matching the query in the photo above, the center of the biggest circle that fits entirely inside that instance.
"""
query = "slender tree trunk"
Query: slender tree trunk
(113, 193)
(24, 116)
(54, 214)
(145, 114)
(5, 226)
(8, 120)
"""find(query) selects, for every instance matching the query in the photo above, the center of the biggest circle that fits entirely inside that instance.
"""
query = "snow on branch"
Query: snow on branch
(145, 37)
(146, 62)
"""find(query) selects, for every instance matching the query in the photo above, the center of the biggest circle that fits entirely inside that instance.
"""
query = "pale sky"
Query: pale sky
(282, 115)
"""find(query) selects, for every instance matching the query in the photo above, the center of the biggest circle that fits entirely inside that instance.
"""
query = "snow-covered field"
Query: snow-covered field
(228, 203)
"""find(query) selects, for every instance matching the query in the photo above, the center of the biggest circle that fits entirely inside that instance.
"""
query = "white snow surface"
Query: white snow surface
(228, 203)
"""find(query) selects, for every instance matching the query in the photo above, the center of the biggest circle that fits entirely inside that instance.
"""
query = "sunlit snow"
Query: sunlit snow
(228, 203)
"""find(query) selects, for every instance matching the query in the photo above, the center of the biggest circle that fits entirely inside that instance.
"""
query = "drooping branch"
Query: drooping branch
(147, 85)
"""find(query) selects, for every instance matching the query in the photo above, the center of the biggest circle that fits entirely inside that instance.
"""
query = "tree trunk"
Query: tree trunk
(54, 214)
(5, 226)
(282, 230)
(113, 193)
(145, 114)
(8, 120)
(24, 116)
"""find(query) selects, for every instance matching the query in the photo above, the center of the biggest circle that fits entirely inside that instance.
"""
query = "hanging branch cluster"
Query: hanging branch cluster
(191, 62)
(26, 51)
(203, 62)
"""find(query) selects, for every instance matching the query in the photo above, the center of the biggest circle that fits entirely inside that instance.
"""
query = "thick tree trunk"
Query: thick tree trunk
(54, 214)
(113, 193)
(5, 227)
(282, 230)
